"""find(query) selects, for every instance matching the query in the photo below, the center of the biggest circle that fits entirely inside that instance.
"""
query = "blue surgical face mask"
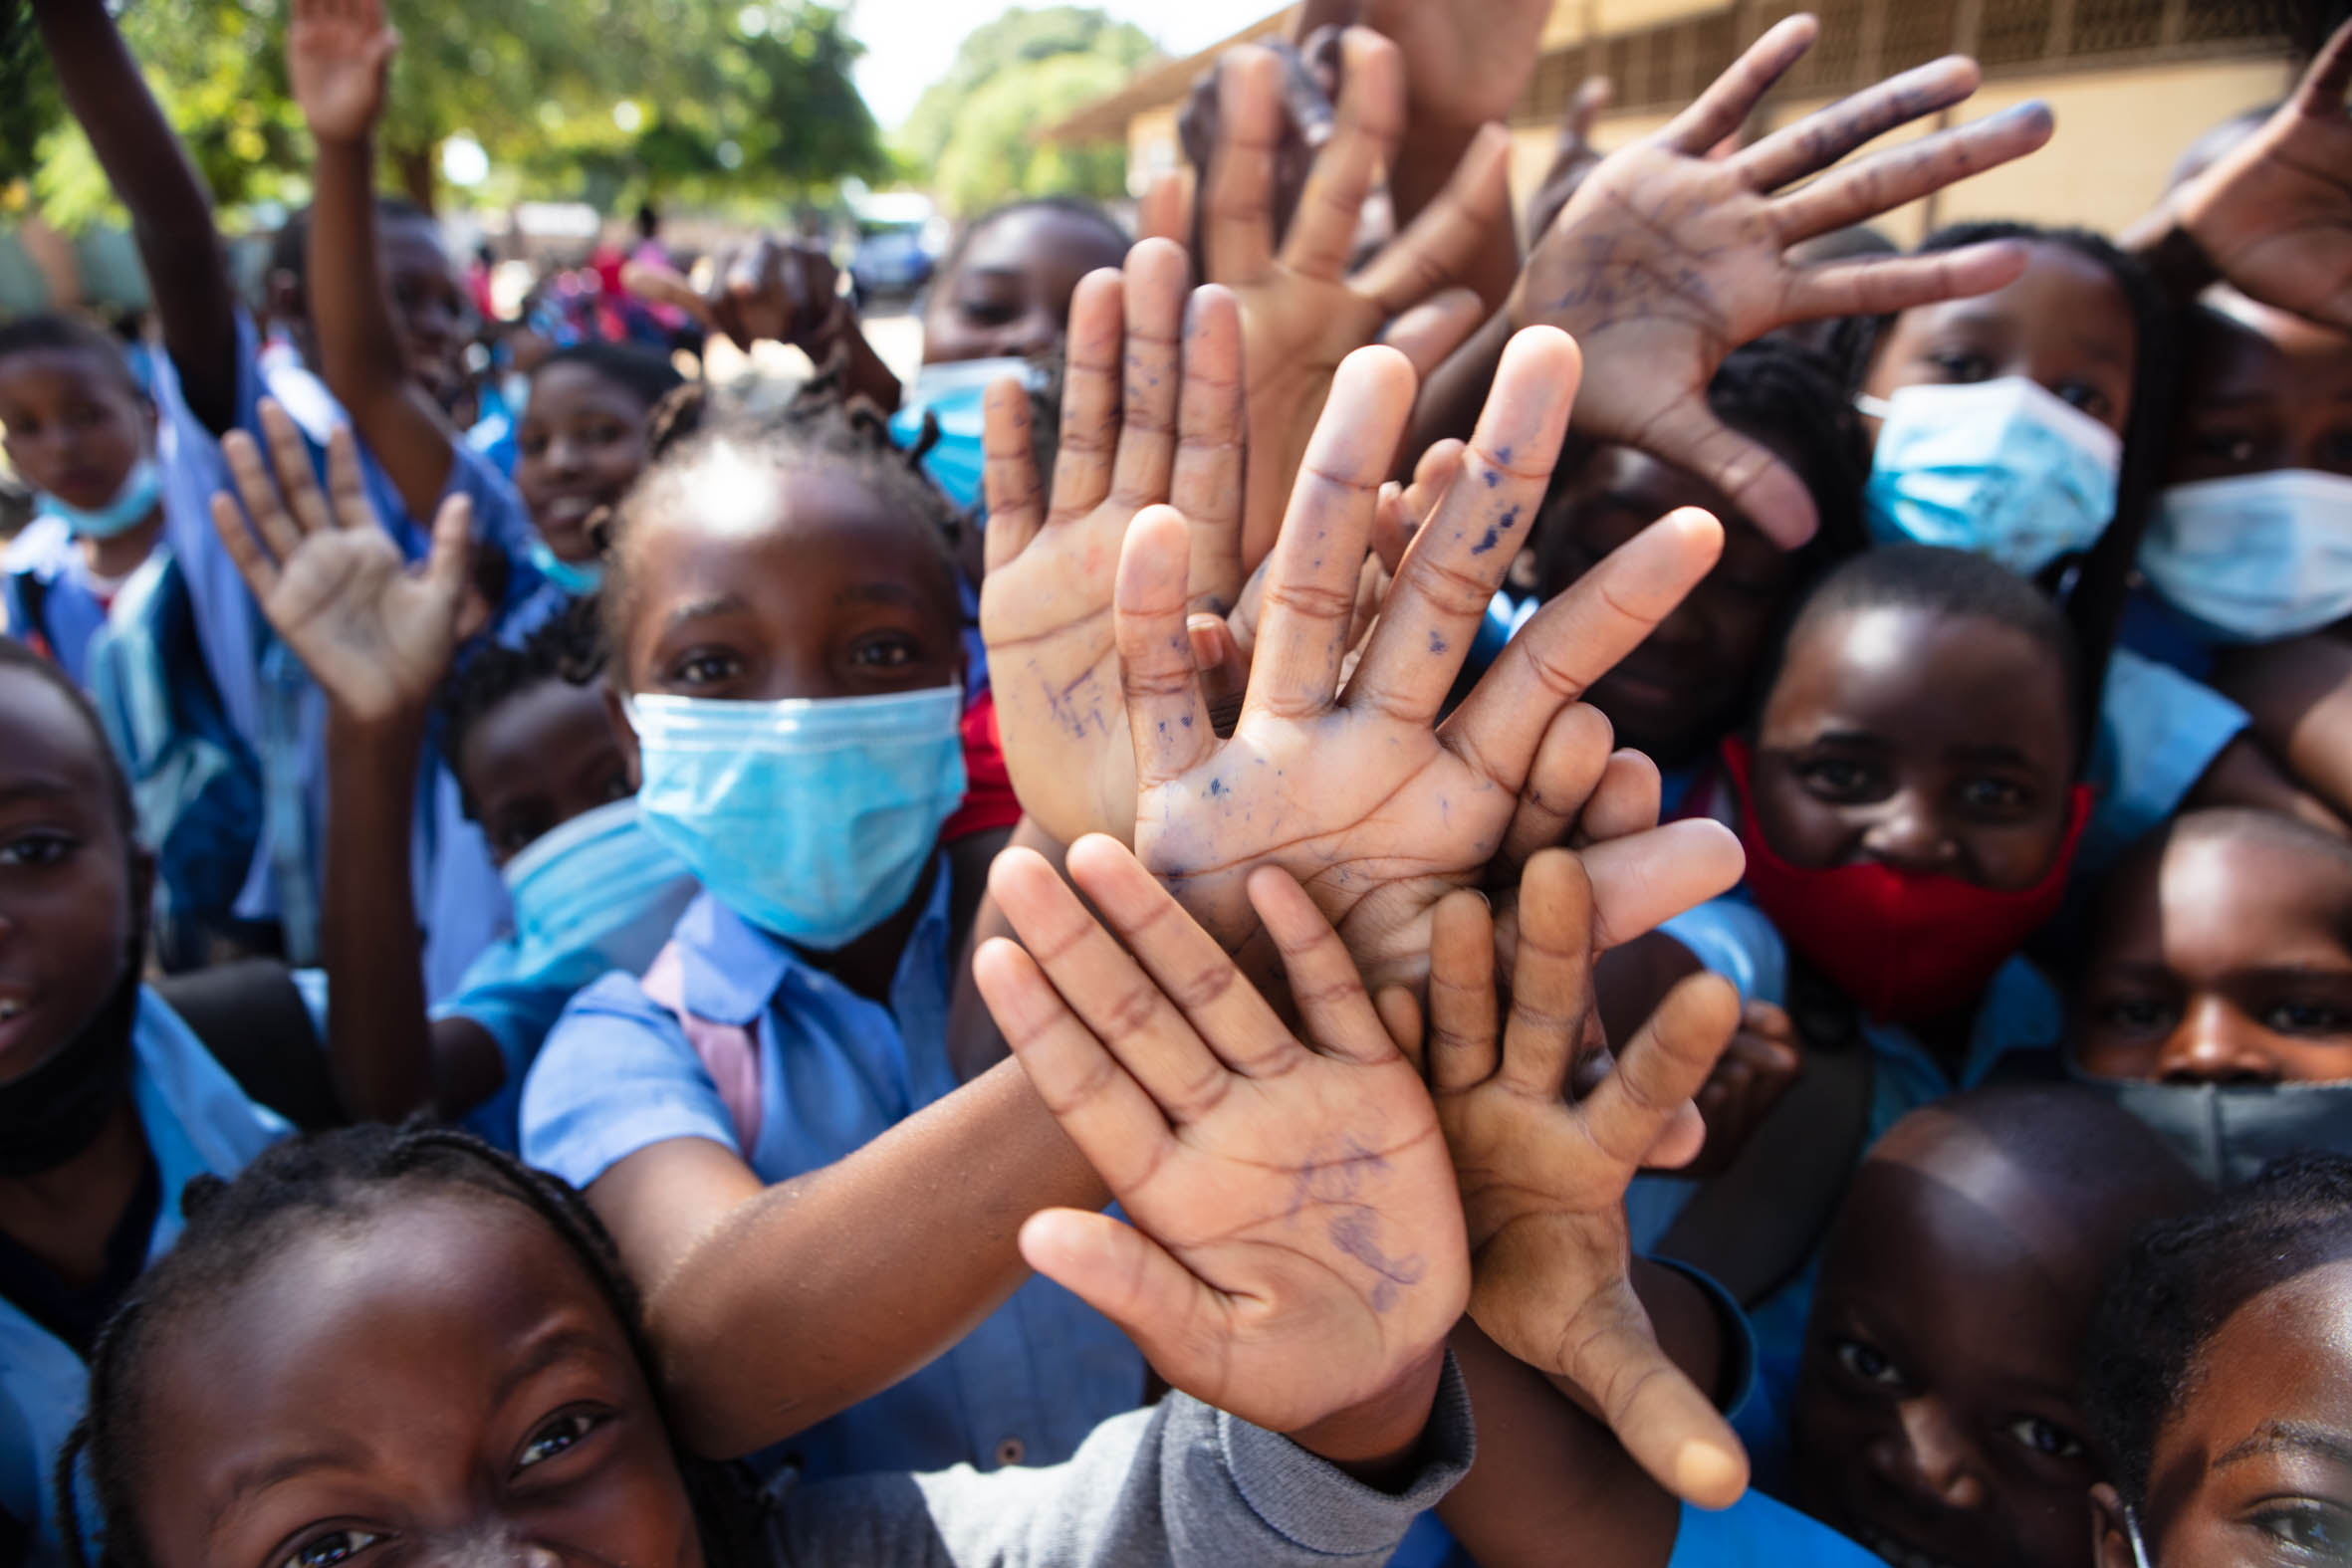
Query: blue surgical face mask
(595, 894)
(2005, 469)
(2258, 558)
(136, 498)
(955, 395)
(578, 580)
(812, 819)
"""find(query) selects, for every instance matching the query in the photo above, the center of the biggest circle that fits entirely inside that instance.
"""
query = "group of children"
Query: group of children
(1695, 896)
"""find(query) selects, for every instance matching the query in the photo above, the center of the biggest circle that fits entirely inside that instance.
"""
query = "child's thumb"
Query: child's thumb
(1127, 1276)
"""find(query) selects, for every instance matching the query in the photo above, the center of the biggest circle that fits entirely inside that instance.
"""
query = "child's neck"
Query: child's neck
(112, 560)
(1948, 1037)
(65, 1215)
(868, 964)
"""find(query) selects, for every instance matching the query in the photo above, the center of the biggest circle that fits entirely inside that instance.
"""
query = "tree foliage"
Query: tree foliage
(974, 129)
(570, 98)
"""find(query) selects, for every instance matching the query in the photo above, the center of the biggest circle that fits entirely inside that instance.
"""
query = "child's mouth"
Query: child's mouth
(1882, 1545)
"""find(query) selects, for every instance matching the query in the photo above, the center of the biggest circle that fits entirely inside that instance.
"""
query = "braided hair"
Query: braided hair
(2183, 1280)
(568, 648)
(326, 1180)
(2101, 585)
(813, 422)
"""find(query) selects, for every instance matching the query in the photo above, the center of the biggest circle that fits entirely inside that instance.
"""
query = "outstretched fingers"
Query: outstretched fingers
(1325, 982)
(1826, 135)
(1370, 128)
(1236, 206)
(1731, 98)
(1575, 639)
(1570, 767)
(1550, 976)
(1158, 277)
(1459, 557)
(1662, 1067)
(1671, 1428)
(1091, 388)
(1646, 878)
(1113, 1122)
(1883, 284)
(1886, 180)
(1167, 712)
(2321, 92)
(1211, 435)
(1471, 213)
(1008, 473)
(1171, 1315)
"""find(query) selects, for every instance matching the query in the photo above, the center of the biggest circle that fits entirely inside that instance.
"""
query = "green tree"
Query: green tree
(974, 129)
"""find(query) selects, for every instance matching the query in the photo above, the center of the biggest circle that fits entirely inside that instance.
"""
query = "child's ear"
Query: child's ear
(2111, 1536)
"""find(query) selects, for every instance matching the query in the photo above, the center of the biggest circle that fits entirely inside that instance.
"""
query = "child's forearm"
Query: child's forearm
(378, 1043)
(775, 1309)
(170, 211)
(359, 349)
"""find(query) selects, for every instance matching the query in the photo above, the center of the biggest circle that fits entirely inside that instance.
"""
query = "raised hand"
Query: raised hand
(1303, 309)
(2275, 215)
(1297, 1256)
(1361, 794)
(1763, 1060)
(1151, 412)
(1470, 60)
(1667, 259)
(772, 289)
(377, 638)
(338, 55)
(1573, 158)
(1544, 1175)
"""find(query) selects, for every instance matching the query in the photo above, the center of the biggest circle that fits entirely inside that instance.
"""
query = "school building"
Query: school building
(2132, 82)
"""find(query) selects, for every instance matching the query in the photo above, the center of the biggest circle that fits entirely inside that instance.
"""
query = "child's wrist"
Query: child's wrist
(1378, 1439)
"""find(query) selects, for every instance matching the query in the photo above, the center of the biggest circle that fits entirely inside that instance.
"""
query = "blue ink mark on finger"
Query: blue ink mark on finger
(1493, 537)
(1217, 786)
(1187, 722)
(1437, 644)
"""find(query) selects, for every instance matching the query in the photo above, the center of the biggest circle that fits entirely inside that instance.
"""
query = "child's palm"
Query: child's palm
(337, 53)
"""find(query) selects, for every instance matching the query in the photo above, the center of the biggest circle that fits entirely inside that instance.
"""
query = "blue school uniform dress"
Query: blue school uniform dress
(52, 602)
(271, 699)
(835, 1071)
(197, 1123)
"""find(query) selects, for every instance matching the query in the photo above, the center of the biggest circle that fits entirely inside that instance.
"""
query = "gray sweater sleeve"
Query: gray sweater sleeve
(1180, 1484)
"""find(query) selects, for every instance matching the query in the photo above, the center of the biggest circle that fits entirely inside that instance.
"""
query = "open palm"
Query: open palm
(1145, 420)
(1296, 1241)
(1666, 259)
(1376, 808)
(329, 580)
(1543, 1176)
(337, 55)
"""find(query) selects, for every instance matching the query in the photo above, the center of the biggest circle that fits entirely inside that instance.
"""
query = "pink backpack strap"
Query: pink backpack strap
(730, 1054)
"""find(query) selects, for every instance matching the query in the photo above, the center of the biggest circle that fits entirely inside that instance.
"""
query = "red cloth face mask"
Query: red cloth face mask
(1902, 945)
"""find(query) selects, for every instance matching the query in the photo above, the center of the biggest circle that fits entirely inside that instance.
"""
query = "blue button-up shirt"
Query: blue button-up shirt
(197, 1122)
(837, 1070)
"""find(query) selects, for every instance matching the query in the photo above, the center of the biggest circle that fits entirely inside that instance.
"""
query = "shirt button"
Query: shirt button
(1011, 1451)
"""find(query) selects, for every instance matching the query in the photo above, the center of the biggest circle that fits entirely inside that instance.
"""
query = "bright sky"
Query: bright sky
(911, 42)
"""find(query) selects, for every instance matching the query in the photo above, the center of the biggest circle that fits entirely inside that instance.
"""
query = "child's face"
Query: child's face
(67, 878)
(1926, 743)
(582, 443)
(2255, 1468)
(2065, 323)
(2224, 961)
(73, 425)
(754, 583)
(2265, 390)
(429, 306)
(1683, 688)
(1936, 1419)
(543, 757)
(1008, 296)
(439, 1383)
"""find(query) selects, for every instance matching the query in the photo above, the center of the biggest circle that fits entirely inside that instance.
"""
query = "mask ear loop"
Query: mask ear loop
(2131, 1525)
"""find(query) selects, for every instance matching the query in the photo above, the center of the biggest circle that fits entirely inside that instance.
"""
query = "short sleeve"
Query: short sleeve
(616, 1076)
(2159, 732)
(1731, 938)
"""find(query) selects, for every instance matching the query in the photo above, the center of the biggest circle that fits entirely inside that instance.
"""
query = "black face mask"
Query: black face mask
(57, 1110)
(2228, 1132)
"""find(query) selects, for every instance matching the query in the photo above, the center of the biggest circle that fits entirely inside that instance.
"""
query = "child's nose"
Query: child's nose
(1908, 835)
(2215, 1044)
(1933, 1457)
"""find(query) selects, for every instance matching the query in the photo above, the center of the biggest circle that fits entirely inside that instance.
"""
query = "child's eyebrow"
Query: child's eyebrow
(696, 610)
(878, 594)
(18, 791)
(255, 1478)
(2292, 1437)
(1998, 752)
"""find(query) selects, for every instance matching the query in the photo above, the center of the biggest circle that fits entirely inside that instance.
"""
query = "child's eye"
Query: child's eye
(1867, 1362)
(1991, 796)
(886, 653)
(2140, 1015)
(1839, 778)
(2307, 1017)
(2237, 448)
(987, 312)
(2088, 398)
(557, 1437)
(2045, 1437)
(617, 787)
(605, 436)
(37, 850)
(2308, 1526)
(1961, 365)
(706, 669)
(328, 1547)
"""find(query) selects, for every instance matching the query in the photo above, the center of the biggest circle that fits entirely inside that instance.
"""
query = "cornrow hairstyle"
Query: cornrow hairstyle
(327, 1180)
(52, 333)
(568, 648)
(16, 655)
(1954, 583)
(789, 424)
(1077, 207)
(2183, 1279)
(2100, 579)
(645, 373)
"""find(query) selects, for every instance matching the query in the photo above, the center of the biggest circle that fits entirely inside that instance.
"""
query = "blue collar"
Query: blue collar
(2021, 1012)
(733, 968)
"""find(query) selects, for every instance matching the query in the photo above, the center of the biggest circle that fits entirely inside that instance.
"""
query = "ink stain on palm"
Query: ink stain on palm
(1336, 1182)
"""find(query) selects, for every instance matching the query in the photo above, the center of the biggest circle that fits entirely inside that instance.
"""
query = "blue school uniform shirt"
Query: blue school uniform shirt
(197, 1123)
(272, 700)
(2159, 732)
(836, 1071)
(52, 602)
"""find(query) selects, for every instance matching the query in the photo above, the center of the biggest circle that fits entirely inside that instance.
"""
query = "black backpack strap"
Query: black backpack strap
(1752, 1226)
(253, 1019)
